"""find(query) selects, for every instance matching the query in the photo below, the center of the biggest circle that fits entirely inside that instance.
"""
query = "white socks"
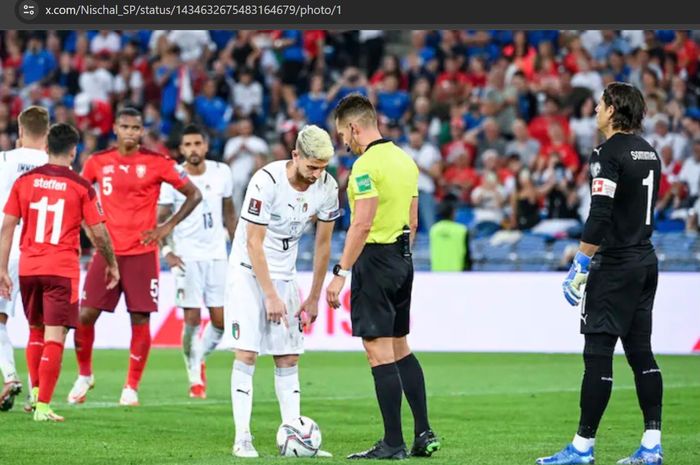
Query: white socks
(651, 438)
(242, 398)
(583, 444)
(288, 394)
(210, 339)
(7, 357)
(191, 347)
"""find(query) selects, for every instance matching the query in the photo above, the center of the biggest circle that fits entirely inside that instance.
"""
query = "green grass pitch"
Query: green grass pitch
(489, 409)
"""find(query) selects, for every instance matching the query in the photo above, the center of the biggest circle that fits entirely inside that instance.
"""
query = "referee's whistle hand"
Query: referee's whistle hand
(333, 291)
(276, 310)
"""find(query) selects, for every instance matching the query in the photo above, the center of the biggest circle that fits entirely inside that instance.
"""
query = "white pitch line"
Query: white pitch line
(110, 405)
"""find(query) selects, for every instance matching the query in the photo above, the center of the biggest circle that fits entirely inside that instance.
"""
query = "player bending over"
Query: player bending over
(52, 201)
(262, 308)
(619, 295)
(197, 255)
(129, 179)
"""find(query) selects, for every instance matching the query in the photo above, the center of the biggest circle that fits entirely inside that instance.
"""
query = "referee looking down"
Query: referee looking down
(383, 196)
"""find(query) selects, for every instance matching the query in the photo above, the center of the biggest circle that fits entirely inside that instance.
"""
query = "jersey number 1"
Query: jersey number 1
(43, 207)
(648, 182)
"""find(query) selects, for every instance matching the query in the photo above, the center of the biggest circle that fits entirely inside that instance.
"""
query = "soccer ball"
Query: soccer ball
(300, 437)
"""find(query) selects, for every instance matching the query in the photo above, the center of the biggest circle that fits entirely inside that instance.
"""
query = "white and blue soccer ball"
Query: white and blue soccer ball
(300, 437)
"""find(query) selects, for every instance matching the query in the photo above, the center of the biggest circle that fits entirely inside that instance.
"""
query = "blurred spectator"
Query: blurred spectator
(314, 103)
(488, 200)
(193, 44)
(559, 145)
(96, 81)
(174, 79)
(489, 139)
(128, 84)
(241, 153)
(460, 177)
(392, 102)
(65, 75)
(428, 159)
(663, 137)
(247, 95)
(372, 42)
(449, 241)
(524, 203)
(212, 110)
(539, 126)
(105, 41)
(689, 180)
(37, 63)
(584, 129)
(522, 144)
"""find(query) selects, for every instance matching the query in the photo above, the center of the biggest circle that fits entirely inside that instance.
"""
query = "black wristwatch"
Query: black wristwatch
(338, 271)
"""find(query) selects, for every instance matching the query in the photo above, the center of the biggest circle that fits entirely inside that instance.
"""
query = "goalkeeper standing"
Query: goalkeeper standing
(383, 195)
(619, 296)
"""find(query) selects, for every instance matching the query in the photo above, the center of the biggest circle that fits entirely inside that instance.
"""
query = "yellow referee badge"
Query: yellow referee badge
(364, 183)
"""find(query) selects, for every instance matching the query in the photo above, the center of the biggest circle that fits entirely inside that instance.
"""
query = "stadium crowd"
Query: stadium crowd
(500, 122)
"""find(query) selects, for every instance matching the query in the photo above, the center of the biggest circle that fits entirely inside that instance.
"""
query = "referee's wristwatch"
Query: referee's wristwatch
(338, 271)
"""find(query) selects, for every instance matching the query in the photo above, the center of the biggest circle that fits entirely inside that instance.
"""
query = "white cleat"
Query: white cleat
(82, 385)
(323, 454)
(244, 448)
(129, 398)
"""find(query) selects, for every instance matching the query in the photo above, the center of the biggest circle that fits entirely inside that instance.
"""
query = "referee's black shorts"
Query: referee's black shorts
(380, 294)
(619, 301)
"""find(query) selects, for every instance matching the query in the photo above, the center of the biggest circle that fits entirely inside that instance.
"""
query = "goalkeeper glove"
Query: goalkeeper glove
(577, 277)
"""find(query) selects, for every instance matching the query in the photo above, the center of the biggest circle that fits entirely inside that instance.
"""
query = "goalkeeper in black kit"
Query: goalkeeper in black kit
(614, 276)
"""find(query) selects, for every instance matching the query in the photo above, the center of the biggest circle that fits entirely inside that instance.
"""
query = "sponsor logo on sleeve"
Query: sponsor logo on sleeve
(595, 169)
(603, 186)
(254, 207)
(364, 183)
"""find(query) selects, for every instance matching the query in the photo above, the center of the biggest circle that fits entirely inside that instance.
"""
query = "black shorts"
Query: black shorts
(380, 294)
(618, 302)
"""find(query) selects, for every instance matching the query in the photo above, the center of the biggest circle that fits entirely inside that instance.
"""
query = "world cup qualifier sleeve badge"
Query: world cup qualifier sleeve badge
(235, 330)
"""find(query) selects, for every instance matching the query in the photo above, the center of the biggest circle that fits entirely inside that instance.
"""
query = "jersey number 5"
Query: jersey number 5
(42, 207)
(648, 182)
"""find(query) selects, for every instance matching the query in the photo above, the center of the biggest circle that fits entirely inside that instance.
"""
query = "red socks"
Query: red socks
(84, 340)
(49, 369)
(140, 346)
(35, 347)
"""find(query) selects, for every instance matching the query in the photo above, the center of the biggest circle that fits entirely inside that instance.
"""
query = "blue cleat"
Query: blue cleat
(644, 456)
(568, 456)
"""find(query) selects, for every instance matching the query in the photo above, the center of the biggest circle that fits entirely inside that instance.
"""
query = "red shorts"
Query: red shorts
(139, 283)
(50, 300)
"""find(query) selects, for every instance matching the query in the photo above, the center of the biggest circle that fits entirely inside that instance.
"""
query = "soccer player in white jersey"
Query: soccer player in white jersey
(263, 310)
(33, 125)
(198, 255)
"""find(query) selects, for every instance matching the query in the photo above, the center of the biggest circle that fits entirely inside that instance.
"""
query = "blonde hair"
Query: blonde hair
(314, 142)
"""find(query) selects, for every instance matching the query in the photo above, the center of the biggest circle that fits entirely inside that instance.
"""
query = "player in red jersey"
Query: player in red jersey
(129, 179)
(52, 201)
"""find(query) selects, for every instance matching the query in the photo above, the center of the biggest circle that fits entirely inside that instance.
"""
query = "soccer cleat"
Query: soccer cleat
(568, 456)
(82, 385)
(129, 397)
(244, 448)
(31, 400)
(44, 413)
(425, 444)
(644, 456)
(198, 391)
(382, 450)
(7, 396)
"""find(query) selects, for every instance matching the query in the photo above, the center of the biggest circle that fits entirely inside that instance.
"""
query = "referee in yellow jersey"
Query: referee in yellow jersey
(383, 194)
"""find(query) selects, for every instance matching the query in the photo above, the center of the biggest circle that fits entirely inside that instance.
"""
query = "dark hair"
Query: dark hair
(35, 120)
(62, 139)
(447, 209)
(628, 103)
(128, 111)
(358, 107)
(193, 129)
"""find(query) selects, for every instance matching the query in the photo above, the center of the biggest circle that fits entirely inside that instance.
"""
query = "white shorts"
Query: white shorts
(203, 282)
(246, 318)
(8, 306)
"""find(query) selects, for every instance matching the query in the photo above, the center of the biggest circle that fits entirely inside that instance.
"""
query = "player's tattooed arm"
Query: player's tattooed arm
(192, 198)
(230, 220)
(103, 243)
